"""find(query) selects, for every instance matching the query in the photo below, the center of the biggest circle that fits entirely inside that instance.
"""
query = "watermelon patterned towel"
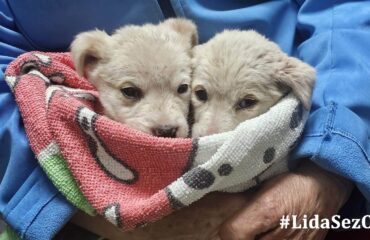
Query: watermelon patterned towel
(129, 177)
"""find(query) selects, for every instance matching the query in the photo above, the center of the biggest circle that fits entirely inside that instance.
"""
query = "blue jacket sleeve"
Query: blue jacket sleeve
(332, 36)
(335, 40)
(29, 203)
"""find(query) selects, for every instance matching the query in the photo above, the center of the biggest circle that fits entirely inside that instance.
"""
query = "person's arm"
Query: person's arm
(29, 203)
(336, 42)
(334, 39)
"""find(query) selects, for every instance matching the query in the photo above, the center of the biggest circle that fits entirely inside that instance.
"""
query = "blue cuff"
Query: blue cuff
(338, 140)
(29, 203)
(37, 210)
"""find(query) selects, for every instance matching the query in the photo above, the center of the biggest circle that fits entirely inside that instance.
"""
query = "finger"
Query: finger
(319, 234)
(256, 218)
(214, 237)
(299, 234)
(294, 235)
(277, 233)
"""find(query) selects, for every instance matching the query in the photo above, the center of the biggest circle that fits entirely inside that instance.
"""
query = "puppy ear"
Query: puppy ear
(300, 78)
(88, 49)
(185, 28)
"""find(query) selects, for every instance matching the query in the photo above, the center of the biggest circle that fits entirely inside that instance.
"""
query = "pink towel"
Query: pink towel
(122, 172)
(129, 177)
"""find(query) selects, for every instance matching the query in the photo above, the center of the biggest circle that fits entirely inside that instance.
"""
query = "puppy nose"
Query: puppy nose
(165, 131)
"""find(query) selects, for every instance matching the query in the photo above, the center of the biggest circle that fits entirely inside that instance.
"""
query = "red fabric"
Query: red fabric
(156, 161)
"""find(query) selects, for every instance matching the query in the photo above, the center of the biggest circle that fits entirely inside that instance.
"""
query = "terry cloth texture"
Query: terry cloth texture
(129, 177)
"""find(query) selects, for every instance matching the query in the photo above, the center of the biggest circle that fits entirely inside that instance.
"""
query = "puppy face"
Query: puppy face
(239, 75)
(142, 74)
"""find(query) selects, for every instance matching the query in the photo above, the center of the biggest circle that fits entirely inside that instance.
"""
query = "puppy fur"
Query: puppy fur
(138, 72)
(243, 74)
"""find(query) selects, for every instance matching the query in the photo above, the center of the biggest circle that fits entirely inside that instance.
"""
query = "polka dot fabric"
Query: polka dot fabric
(127, 176)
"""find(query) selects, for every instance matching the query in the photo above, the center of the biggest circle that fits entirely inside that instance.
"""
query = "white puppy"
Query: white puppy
(239, 75)
(142, 74)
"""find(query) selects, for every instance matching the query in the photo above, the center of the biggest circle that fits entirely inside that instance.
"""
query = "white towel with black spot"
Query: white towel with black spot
(240, 159)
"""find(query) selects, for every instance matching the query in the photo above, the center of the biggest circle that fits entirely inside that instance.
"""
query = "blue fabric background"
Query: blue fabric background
(333, 36)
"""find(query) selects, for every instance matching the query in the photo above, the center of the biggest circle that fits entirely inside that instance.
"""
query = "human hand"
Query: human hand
(308, 191)
(196, 221)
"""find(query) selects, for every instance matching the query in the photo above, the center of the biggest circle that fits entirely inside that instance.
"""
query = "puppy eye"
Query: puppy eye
(246, 103)
(132, 92)
(183, 88)
(201, 94)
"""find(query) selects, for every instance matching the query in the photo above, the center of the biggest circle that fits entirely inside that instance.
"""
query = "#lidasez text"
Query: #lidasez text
(316, 222)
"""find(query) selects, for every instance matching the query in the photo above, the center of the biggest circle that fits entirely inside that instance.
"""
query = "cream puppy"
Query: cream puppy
(142, 74)
(239, 75)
